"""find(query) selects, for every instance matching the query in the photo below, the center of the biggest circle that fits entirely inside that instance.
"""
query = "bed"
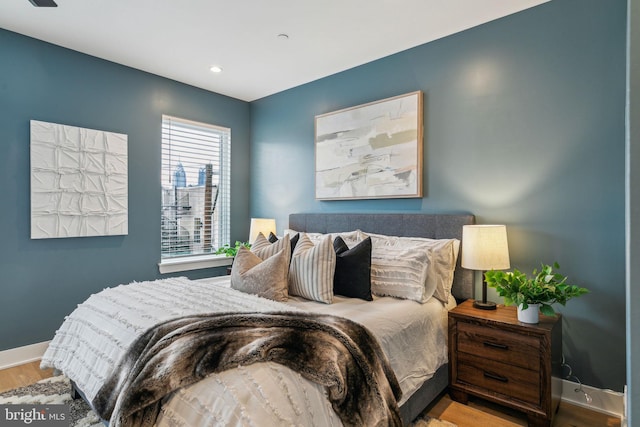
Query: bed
(256, 393)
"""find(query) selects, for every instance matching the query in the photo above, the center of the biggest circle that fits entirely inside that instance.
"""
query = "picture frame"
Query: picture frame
(370, 151)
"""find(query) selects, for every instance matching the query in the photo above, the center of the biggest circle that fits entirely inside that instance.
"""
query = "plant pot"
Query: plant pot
(530, 314)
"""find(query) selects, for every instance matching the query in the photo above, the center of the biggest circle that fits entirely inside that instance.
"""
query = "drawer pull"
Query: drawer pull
(495, 377)
(496, 345)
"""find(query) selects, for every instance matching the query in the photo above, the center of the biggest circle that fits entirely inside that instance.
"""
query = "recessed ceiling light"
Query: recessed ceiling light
(216, 69)
(43, 3)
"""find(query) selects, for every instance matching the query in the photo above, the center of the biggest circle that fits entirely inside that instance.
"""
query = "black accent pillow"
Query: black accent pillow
(294, 240)
(353, 269)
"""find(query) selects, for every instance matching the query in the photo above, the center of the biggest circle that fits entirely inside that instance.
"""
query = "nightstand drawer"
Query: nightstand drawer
(502, 346)
(508, 380)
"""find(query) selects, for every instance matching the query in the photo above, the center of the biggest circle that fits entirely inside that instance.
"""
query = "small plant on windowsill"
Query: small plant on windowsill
(545, 288)
(230, 251)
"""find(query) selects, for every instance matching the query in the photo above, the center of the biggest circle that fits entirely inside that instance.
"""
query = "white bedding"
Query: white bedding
(412, 335)
(94, 337)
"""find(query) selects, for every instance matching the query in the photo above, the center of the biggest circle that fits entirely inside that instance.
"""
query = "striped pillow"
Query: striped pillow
(312, 268)
(265, 249)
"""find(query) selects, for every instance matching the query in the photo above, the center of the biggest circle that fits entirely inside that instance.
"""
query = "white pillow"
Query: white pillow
(351, 238)
(441, 255)
(312, 268)
(443, 258)
(399, 272)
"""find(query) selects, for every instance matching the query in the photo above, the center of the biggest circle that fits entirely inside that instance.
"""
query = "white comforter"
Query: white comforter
(94, 337)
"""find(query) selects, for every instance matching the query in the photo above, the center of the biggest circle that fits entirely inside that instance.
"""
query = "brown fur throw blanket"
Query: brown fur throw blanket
(332, 351)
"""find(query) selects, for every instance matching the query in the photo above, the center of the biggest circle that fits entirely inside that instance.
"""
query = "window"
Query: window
(196, 161)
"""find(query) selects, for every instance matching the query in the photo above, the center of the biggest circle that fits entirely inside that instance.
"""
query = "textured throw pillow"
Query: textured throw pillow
(441, 256)
(399, 272)
(353, 269)
(312, 269)
(267, 279)
(264, 249)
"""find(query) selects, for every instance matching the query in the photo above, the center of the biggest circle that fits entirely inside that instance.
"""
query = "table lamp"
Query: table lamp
(261, 225)
(484, 247)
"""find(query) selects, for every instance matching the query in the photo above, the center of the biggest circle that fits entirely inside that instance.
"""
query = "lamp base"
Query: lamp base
(484, 305)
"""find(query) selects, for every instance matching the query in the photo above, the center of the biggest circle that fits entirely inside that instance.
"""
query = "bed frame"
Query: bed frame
(433, 226)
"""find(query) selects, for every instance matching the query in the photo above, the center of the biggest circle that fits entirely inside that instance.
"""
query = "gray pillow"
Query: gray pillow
(267, 279)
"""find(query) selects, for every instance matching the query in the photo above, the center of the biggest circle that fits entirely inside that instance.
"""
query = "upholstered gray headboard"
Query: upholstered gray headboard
(433, 226)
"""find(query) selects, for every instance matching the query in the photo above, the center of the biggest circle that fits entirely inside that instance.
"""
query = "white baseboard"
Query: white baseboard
(623, 421)
(21, 355)
(605, 401)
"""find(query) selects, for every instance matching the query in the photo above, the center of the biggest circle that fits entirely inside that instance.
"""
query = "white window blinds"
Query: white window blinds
(196, 161)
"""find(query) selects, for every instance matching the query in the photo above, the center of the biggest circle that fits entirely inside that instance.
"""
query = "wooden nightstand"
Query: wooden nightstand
(495, 357)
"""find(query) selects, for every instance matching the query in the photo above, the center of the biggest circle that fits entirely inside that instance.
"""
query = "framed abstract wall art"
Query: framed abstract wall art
(371, 151)
(79, 182)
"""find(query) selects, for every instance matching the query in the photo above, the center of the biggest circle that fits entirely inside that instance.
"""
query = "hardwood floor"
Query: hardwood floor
(477, 413)
(22, 375)
(480, 413)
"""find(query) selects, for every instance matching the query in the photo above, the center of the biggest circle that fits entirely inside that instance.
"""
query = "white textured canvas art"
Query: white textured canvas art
(371, 151)
(79, 182)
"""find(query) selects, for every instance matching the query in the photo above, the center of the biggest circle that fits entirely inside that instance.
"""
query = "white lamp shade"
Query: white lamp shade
(261, 225)
(485, 247)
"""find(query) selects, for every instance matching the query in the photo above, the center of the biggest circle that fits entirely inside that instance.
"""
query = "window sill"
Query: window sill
(195, 262)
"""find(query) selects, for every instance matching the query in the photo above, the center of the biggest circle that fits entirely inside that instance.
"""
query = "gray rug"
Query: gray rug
(51, 391)
(57, 390)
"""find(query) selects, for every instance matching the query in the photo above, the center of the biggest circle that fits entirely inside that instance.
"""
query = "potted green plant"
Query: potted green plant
(229, 250)
(533, 294)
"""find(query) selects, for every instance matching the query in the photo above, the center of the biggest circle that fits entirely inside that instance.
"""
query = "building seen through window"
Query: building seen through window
(195, 187)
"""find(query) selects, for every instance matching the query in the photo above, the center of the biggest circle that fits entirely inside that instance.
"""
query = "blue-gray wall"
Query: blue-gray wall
(524, 125)
(41, 281)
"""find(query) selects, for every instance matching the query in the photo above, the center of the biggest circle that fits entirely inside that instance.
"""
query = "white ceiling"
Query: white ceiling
(182, 39)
